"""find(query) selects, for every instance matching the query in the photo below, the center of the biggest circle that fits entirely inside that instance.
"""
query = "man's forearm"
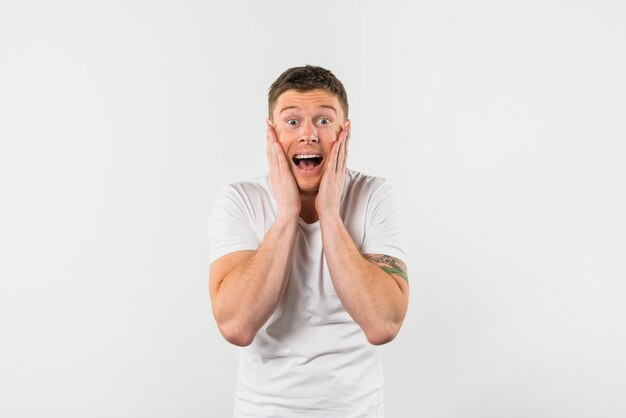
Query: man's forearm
(249, 294)
(370, 295)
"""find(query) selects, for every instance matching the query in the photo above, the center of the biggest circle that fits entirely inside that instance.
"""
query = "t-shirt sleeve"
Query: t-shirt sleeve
(385, 224)
(230, 226)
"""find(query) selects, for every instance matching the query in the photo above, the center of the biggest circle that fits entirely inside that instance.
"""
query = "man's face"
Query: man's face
(307, 124)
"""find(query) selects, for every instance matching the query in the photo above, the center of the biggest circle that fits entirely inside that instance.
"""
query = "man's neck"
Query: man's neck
(308, 213)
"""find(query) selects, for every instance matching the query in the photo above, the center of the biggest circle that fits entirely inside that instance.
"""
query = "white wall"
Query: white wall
(504, 122)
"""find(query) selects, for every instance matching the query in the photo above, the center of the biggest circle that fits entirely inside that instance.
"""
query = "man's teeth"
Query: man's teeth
(307, 156)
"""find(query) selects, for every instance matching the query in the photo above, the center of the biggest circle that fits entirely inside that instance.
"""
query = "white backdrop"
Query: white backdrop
(504, 122)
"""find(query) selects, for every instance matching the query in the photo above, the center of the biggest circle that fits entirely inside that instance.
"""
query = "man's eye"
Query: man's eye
(292, 121)
(324, 121)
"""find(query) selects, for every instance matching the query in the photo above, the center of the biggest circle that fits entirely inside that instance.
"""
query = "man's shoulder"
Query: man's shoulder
(366, 182)
(258, 186)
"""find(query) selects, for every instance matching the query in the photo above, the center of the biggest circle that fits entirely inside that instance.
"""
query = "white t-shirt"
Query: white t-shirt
(310, 359)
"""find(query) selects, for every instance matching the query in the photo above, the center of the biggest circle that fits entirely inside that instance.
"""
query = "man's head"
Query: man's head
(308, 108)
(304, 79)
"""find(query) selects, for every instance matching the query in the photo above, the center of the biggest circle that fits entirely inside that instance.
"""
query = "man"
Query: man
(307, 270)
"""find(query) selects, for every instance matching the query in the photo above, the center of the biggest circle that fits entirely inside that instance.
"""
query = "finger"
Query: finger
(334, 154)
(343, 135)
(342, 153)
(280, 157)
(279, 154)
(271, 152)
(344, 161)
(271, 131)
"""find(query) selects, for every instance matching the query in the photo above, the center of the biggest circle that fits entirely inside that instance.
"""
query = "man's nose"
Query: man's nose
(308, 133)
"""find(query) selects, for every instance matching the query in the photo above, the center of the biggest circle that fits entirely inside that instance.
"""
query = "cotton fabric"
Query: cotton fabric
(310, 359)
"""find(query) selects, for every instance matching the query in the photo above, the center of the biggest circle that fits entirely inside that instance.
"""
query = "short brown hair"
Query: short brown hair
(304, 79)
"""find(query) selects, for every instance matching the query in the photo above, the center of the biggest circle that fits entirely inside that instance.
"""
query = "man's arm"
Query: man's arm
(373, 288)
(246, 286)
(374, 291)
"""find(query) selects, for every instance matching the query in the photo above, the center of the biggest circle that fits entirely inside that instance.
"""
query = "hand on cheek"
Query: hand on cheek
(282, 181)
(331, 187)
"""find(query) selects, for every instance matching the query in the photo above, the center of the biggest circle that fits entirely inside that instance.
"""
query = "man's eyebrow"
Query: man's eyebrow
(329, 107)
(288, 107)
(298, 107)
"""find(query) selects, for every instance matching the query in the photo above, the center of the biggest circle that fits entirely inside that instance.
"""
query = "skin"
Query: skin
(246, 286)
(305, 121)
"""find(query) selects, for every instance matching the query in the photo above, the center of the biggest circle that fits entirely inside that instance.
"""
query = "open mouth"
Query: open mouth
(307, 161)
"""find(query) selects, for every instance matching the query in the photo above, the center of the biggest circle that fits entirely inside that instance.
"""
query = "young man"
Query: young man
(307, 268)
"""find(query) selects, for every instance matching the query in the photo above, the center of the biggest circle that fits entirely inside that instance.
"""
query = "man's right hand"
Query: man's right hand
(282, 180)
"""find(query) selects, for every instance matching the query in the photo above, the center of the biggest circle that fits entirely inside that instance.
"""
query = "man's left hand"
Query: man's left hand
(331, 187)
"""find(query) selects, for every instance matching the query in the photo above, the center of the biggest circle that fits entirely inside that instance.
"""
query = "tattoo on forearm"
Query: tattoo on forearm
(391, 266)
